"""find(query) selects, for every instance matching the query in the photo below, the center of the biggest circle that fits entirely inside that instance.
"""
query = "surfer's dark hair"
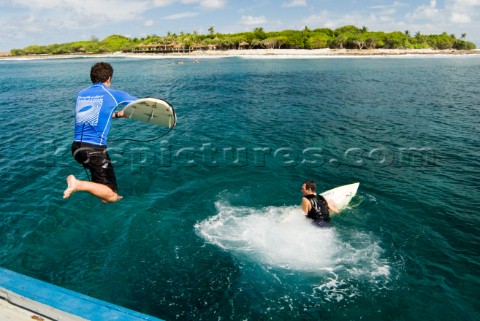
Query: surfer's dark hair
(310, 185)
(100, 72)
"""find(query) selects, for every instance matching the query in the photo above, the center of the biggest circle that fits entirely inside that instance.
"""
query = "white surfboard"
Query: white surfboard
(151, 110)
(341, 195)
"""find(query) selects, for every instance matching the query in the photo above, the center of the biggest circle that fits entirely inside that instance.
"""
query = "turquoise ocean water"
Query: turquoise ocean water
(203, 234)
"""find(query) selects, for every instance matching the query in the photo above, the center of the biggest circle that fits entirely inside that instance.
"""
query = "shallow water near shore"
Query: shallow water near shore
(210, 226)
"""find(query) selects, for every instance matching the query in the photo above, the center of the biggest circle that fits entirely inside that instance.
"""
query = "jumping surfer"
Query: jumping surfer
(94, 111)
(315, 206)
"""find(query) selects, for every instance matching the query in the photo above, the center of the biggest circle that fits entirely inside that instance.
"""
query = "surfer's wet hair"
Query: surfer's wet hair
(310, 185)
(100, 72)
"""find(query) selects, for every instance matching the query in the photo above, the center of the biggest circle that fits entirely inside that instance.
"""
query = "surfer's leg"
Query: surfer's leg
(103, 192)
(97, 161)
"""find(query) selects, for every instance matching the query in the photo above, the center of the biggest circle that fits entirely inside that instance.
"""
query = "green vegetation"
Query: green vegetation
(346, 37)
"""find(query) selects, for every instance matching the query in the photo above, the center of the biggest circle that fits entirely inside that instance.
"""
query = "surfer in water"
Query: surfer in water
(94, 111)
(315, 206)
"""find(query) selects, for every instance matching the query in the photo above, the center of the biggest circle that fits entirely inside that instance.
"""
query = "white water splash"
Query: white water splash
(282, 237)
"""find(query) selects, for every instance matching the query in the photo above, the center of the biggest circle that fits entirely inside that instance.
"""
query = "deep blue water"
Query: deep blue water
(202, 232)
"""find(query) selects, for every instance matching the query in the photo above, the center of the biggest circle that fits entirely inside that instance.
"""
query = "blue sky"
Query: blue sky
(42, 22)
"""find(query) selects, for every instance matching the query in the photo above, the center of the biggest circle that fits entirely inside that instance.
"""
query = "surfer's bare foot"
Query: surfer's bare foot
(72, 186)
(116, 198)
(112, 199)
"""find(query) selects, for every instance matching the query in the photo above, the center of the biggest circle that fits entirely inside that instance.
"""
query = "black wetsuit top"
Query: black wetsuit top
(319, 210)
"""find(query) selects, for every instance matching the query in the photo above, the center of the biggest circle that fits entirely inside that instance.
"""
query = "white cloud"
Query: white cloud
(467, 3)
(295, 3)
(253, 21)
(457, 17)
(109, 10)
(181, 15)
(162, 3)
(207, 4)
(463, 11)
(393, 5)
(113, 4)
(148, 23)
(430, 12)
(324, 19)
(387, 12)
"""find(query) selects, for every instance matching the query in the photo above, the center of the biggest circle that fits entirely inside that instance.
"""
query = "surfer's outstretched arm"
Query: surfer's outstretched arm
(332, 206)
(103, 192)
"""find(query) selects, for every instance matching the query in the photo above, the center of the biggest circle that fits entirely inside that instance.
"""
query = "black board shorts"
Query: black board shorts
(96, 159)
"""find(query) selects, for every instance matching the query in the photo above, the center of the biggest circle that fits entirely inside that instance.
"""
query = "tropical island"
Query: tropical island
(344, 38)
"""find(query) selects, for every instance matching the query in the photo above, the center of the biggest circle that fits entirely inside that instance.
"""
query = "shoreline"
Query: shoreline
(281, 53)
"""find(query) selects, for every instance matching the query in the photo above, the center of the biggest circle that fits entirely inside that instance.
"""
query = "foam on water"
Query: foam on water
(281, 237)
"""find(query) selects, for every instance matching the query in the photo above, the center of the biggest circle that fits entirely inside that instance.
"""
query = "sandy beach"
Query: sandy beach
(299, 53)
(336, 52)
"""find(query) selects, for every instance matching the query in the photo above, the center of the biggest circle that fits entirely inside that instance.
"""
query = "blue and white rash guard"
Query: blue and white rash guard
(93, 112)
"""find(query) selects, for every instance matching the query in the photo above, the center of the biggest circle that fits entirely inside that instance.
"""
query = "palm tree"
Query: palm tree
(211, 30)
(364, 29)
(463, 36)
